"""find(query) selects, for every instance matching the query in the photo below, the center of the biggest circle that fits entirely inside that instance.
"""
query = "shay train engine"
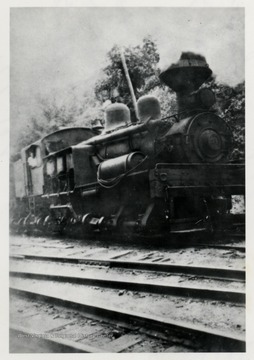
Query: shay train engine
(147, 177)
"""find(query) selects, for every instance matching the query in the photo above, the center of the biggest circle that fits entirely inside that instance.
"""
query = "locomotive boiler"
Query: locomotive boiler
(148, 177)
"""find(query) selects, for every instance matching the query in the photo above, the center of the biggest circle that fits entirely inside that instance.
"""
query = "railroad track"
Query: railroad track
(134, 284)
(229, 247)
(212, 272)
(116, 250)
(185, 273)
(197, 337)
(86, 332)
(227, 241)
(80, 279)
(200, 332)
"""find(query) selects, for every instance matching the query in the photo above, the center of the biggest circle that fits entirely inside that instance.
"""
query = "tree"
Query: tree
(167, 99)
(142, 64)
(72, 107)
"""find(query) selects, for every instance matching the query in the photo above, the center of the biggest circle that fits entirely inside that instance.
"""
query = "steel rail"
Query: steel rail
(213, 294)
(24, 337)
(178, 245)
(218, 340)
(216, 273)
(222, 247)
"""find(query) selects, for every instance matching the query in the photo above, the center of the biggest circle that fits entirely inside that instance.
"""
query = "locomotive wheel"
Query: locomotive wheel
(20, 228)
(48, 224)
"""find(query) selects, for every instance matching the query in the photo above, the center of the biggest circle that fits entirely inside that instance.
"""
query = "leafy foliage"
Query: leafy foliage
(167, 99)
(142, 66)
(72, 108)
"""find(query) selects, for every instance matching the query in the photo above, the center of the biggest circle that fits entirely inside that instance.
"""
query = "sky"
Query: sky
(53, 49)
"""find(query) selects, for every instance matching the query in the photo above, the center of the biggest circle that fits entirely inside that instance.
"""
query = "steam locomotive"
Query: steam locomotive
(148, 177)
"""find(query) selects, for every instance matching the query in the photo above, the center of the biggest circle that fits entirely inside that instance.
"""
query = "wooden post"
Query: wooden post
(129, 82)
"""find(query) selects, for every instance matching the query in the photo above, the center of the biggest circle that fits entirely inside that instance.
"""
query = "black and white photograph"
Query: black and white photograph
(127, 179)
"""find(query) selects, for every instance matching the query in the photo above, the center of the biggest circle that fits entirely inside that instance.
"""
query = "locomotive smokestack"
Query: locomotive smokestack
(185, 77)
